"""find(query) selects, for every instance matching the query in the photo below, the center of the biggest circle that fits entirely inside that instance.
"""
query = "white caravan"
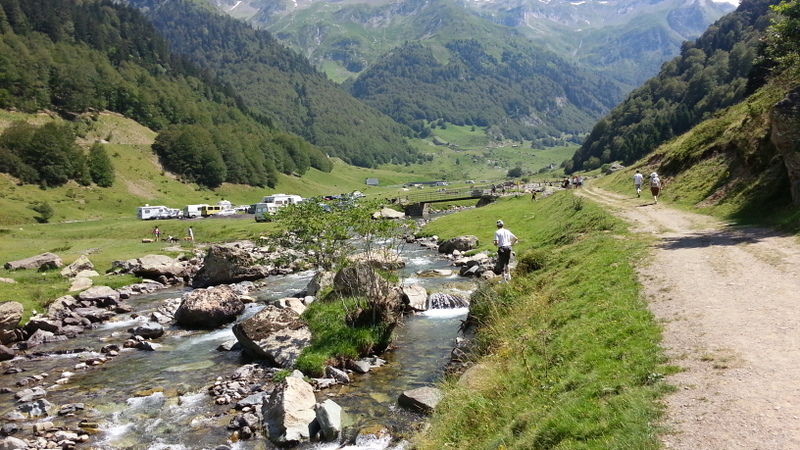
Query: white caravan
(148, 212)
(192, 211)
(276, 201)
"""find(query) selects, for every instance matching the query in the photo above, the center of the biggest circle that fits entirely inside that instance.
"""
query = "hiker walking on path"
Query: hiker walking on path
(638, 178)
(655, 186)
(156, 234)
(503, 239)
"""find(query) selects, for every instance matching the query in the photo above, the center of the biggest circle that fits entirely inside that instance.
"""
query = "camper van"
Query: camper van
(148, 212)
(261, 210)
(277, 201)
(192, 211)
(210, 210)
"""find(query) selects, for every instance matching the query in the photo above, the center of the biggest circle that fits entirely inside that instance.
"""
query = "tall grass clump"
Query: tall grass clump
(566, 354)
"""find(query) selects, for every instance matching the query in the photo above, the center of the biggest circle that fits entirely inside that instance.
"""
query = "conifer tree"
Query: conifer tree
(100, 167)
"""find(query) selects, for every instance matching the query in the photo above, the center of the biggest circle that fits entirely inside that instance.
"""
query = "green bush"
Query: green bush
(45, 211)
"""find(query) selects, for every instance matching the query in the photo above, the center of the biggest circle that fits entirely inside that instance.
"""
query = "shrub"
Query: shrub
(44, 209)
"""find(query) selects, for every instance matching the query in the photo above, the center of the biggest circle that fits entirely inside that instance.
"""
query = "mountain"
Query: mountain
(625, 39)
(74, 57)
(279, 84)
(713, 72)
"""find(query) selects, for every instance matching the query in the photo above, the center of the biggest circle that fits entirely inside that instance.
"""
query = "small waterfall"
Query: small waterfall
(441, 300)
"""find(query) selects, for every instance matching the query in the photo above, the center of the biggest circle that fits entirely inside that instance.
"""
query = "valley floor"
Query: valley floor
(727, 298)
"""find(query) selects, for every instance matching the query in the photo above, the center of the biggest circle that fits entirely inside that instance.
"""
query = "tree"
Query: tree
(45, 211)
(100, 168)
(516, 172)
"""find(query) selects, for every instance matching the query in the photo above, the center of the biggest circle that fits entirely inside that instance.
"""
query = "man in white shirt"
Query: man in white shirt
(637, 183)
(503, 239)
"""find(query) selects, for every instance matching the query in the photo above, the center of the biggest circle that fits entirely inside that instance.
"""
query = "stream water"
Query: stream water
(158, 400)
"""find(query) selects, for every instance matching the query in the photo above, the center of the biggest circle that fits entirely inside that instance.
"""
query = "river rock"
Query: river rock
(422, 399)
(12, 443)
(100, 296)
(460, 243)
(277, 335)
(339, 375)
(94, 314)
(209, 308)
(295, 304)
(80, 264)
(61, 308)
(385, 259)
(155, 267)
(416, 297)
(45, 261)
(320, 281)
(252, 400)
(229, 263)
(36, 408)
(6, 353)
(40, 337)
(360, 366)
(80, 284)
(149, 330)
(329, 418)
(40, 322)
(388, 213)
(10, 315)
(29, 395)
(289, 412)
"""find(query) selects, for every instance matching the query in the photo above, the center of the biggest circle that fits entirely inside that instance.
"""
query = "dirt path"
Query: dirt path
(729, 302)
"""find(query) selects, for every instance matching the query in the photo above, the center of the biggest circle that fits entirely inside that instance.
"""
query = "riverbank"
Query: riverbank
(566, 354)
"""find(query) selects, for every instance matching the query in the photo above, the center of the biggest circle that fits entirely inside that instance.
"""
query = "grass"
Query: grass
(568, 353)
(333, 339)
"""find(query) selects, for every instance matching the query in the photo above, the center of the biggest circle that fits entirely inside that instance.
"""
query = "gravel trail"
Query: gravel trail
(728, 299)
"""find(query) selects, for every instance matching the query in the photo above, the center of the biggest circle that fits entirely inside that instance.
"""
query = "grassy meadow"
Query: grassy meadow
(567, 353)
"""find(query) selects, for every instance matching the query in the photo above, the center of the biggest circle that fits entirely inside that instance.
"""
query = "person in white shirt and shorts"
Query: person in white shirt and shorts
(503, 239)
(638, 179)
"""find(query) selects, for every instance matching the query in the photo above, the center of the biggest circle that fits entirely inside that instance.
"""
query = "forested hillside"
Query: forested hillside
(713, 72)
(744, 161)
(279, 84)
(472, 72)
(73, 56)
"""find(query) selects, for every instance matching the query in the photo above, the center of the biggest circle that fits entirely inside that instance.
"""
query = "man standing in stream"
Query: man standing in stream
(503, 239)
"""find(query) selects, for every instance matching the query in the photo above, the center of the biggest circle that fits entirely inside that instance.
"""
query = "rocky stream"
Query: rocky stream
(118, 369)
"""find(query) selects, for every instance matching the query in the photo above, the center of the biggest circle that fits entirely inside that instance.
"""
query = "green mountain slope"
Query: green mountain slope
(744, 161)
(279, 84)
(711, 73)
(73, 56)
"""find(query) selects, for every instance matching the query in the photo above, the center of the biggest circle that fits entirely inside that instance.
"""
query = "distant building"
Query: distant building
(372, 182)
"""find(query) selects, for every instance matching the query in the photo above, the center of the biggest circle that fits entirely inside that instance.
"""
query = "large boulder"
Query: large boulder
(159, 267)
(45, 261)
(460, 243)
(148, 330)
(415, 297)
(209, 308)
(80, 264)
(6, 353)
(362, 280)
(381, 259)
(80, 284)
(388, 213)
(320, 281)
(422, 399)
(40, 322)
(277, 335)
(100, 296)
(229, 263)
(289, 412)
(40, 337)
(10, 315)
(61, 308)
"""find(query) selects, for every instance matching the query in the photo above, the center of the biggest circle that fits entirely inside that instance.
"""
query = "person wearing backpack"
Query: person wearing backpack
(655, 186)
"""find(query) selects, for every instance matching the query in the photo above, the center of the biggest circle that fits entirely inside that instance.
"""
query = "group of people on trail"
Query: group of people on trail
(157, 235)
(576, 182)
(654, 181)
